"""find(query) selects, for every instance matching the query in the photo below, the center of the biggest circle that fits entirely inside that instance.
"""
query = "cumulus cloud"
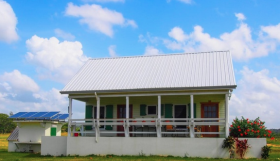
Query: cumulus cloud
(272, 31)
(239, 41)
(104, 1)
(64, 35)
(98, 18)
(257, 95)
(150, 50)
(55, 60)
(240, 16)
(112, 51)
(8, 22)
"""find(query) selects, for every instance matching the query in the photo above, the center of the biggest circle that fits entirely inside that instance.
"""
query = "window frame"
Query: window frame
(147, 109)
(93, 114)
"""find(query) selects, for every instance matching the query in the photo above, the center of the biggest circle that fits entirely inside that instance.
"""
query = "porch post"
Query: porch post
(70, 116)
(159, 118)
(97, 116)
(227, 115)
(192, 127)
(127, 117)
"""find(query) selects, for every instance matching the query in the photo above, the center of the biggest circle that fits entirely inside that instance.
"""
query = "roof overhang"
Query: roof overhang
(231, 87)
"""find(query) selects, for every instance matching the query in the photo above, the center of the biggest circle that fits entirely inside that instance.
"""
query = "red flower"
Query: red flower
(255, 122)
(248, 122)
(245, 133)
(248, 130)
(272, 138)
(247, 119)
(268, 135)
(241, 134)
(238, 127)
(258, 136)
(231, 125)
(251, 123)
(268, 131)
(252, 130)
(261, 127)
(258, 131)
(264, 135)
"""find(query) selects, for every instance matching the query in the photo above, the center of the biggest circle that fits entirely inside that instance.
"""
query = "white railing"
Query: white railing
(155, 123)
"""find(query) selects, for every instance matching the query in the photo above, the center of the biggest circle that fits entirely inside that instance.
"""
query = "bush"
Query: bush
(265, 152)
(249, 128)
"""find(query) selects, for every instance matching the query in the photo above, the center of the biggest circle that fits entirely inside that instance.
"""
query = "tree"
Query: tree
(6, 124)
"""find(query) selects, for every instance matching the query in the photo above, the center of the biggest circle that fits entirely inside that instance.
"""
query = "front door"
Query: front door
(180, 111)
(210, 110)
(121, 113)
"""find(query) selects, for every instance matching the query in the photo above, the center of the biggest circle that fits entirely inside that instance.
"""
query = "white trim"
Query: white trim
(151, 94)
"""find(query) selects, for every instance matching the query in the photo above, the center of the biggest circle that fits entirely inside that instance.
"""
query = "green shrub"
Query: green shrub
(265, 152)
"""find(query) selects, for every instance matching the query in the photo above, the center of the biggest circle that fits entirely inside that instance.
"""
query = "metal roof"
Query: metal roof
(14, 135)
(168, 71)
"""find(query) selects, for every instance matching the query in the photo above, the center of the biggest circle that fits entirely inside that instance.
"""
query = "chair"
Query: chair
(169, 128)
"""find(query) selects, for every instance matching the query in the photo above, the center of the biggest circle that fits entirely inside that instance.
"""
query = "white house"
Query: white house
(174, 104)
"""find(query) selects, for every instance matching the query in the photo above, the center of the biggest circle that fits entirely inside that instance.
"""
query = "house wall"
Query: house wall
(153, 100)
(190, 147)
(32, 131)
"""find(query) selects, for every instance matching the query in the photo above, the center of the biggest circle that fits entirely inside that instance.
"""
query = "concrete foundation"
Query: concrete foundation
(191, 147)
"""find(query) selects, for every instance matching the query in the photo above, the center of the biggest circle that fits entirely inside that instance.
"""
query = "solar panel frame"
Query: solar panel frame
(18, 115)
(61, 117)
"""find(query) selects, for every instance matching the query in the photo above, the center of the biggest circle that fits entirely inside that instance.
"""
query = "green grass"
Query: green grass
(4, 155)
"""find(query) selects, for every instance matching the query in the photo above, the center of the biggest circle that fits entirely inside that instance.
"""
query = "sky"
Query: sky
(44, 43)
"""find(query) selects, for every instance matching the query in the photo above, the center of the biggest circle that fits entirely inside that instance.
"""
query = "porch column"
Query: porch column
(192, 127)
(70, 116)
(159, 118)
(226, 115)
(127, 117)
(97, 116)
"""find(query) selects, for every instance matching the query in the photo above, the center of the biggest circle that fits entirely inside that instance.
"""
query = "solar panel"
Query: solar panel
(27, 115)
(60, 117)
(39, 114)
(18, 114)
(50, 115)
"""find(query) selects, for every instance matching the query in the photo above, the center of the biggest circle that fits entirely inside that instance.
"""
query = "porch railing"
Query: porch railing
(156, 123)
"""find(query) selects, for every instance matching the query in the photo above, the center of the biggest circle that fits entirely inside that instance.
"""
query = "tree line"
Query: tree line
(6, 125)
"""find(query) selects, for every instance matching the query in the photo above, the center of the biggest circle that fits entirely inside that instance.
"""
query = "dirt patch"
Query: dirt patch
(273, 145)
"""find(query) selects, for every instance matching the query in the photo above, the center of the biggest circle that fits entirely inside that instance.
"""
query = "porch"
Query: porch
(176, 114)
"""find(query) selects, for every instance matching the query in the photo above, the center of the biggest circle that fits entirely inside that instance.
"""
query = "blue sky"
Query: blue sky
(44, 43)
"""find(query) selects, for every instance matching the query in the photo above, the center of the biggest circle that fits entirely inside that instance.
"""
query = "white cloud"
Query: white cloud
(150, 50)
(186, 1)
(257, 95)
(64, 35)
(238, 41)
(8, 22)
(272, 31)
(104, 1)
(178, 34)
(98, 18)
(240, 16)
(17, 82)
(112, 51)
(55, 60)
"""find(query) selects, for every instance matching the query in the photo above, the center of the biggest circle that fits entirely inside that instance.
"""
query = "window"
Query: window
(102, 114)
(152, 110)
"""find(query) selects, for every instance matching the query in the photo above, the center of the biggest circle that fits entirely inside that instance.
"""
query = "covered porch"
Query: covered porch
(166, 114)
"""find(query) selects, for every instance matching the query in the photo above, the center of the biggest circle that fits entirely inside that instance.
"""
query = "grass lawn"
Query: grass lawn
(4, 155)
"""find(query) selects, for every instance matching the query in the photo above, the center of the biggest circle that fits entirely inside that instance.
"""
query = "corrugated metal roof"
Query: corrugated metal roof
(14, 135)
(189, 70)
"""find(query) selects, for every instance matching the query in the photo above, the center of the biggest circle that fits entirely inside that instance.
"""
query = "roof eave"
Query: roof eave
(230, 87)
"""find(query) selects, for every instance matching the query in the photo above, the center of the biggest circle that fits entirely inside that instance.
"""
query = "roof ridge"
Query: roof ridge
(169, 54)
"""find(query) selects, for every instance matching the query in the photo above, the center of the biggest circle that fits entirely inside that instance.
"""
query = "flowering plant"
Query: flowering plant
(249, 128)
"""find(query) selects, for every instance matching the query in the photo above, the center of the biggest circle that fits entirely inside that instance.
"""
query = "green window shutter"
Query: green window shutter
(162, 109)
(143, 110)
(88, 116)
(168, 111)
(109, 115)
(53, 131)
(194, 110)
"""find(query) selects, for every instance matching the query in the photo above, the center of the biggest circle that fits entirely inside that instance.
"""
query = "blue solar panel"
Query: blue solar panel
(60, 117)
(50, 115)
(28, 114)
(18, 114)
(39, 114)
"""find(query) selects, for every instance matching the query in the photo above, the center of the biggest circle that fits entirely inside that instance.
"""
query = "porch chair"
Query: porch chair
(169, 128)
